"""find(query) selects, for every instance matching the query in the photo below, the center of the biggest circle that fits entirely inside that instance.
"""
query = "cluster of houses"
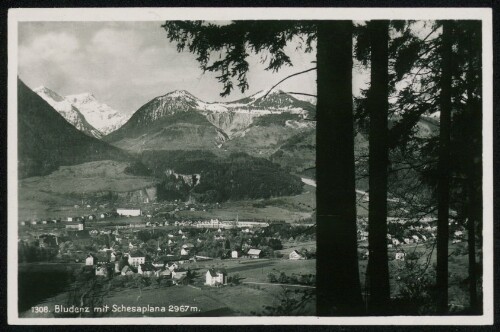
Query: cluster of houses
(108, 263)
(78, 222)
(170, 267)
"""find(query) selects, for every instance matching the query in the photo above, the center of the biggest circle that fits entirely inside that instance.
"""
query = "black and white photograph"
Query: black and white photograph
(320, 166)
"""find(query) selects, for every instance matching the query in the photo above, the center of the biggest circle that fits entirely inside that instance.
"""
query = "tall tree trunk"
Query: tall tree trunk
(474, 202)
(443, 186)
(338, 271)
(378, 103)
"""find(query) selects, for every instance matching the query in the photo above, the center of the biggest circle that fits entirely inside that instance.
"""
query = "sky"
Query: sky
(126, 64)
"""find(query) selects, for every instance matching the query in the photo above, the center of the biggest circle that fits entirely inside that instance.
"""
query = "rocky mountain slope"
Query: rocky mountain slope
(100, 115)
(46, 140)
(68, 111)
(179, 120)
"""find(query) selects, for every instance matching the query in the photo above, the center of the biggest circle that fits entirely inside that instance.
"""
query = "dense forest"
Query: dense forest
(422, 114)
(237, 176)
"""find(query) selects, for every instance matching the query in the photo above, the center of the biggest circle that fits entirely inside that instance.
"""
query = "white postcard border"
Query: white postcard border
(160, 14)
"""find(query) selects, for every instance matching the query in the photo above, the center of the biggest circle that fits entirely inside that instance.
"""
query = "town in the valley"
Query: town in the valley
(154, 191)
(148, 249)
(134, 250)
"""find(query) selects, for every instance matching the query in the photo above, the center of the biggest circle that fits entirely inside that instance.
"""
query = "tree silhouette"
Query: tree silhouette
(336, 198)
(378, 104)
(443, 188)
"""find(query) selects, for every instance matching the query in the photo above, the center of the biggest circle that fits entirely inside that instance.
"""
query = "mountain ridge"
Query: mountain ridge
(46, 140)
(68, 111)
(228, 119)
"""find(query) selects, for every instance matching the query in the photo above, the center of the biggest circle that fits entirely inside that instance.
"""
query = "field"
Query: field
(287, 208)
(54, 195)
(225, 300)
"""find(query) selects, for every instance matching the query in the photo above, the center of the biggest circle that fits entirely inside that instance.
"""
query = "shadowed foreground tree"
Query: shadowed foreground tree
(443, 186)
(378, 105)
(466, 145)
(338, 280)
(444, 71)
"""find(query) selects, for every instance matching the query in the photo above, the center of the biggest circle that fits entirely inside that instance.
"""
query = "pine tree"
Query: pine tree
(336, 199)
(443, 185)
(378, 104)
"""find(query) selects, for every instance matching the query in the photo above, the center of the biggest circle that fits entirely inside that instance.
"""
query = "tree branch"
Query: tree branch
(301, 93)
(289, 76)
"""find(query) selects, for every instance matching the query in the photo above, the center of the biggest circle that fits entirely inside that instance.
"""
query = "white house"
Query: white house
(128, 212)
(295, 255)
(215, 277)
(90, 260)
(254, 253)
(78, 225)
(184, 252)
(235, 254)
(136, 260)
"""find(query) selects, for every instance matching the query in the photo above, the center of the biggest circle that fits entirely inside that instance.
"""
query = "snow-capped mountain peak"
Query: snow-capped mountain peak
(180, 93)
(82, 98)
(49, 93)
(100, 115)
(71, 113)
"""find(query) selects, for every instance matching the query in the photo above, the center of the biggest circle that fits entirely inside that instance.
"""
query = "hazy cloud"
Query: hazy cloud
(125, 64)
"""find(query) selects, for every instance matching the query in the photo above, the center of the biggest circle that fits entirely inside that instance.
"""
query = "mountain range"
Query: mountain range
(46, 140)
(258, 125)
(84, 112)
(68, 111)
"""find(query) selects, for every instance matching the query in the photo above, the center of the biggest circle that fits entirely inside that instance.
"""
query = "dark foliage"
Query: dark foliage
(239, 176)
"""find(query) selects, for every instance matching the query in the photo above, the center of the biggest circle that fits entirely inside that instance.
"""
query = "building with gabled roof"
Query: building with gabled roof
(216, 277)
(135, 259)
(254, 253)
(90, 260)
(295, 255)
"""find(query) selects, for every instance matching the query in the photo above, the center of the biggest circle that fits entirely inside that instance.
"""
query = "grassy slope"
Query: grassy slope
(40, 196)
